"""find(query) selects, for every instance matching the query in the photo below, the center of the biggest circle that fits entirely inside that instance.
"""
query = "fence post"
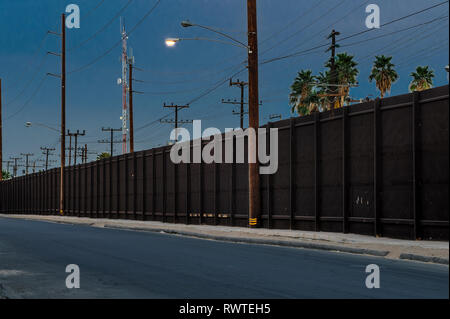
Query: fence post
(317, 170)
(153, 184)
(376, 166)
(291, 173)
(164, 185)
(417, 164)
(144, 186)
(135, 175)
(175, 189)
(269, 182)
(216, 188)
(344, 170)
(233, 183)
(188, 191)
(201, 185)
(118, 188)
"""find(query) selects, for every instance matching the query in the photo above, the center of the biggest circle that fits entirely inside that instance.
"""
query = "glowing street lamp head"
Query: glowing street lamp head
(170, 42)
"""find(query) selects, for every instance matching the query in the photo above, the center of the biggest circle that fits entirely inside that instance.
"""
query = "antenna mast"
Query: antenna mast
(124, 87)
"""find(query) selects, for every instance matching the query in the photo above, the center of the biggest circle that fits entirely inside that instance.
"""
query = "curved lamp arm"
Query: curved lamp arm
(189, 24)
(173, 41)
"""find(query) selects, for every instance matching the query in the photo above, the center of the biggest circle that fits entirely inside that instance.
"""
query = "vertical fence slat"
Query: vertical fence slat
(317, 171)
(188, 192)
(144, 186)
(291, 173)
(269, 183)
(416, 150)
(376, 166)
(153, 184)
(345, 141)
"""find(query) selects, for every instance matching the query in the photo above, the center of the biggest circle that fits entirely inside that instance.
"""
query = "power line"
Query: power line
(93, 9)
(38, 88)
(302, 30)
(351, 36)
(292, 22)
(117, 43)
(396, 20)
(102, 28)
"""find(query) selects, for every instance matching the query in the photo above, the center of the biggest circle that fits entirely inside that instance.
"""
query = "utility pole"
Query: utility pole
(333, 79)
(253, 112)
(85, 151)
(46, 152)
(63, 107)
(241, 85)
(27, 155)
(15, 159)
(70, 146)
(76, 134)
(36, 166)
(1, 136)
(130, 101)
(176, 121)
(8, 163)
(111, 141)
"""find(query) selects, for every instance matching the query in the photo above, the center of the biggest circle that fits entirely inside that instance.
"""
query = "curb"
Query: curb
(361, 251)
(260, 241)
(426, 259)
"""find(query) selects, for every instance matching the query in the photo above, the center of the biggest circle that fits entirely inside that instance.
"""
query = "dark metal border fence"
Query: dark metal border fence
(375, 168)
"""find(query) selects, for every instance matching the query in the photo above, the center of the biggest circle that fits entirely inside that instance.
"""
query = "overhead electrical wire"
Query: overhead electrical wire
(117, 43)
(117, 15)
(352, 35)
(38, 88)
(303, 29)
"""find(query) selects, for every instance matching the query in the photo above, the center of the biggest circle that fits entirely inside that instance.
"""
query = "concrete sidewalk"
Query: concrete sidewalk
(425, 251)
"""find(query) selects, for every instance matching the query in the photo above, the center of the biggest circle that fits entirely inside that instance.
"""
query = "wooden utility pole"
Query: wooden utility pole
(333, 76)
(253, 112)
(76, 134)
(27, 156)
(130, 105)
(46, 152)
(8, 163)
(1, 136)
(176, 121)
(15, 159)
(111, 141)
(70, 146)
(241, 85)
(63, 113)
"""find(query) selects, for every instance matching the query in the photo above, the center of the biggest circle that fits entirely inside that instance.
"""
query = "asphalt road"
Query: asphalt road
(131, 264)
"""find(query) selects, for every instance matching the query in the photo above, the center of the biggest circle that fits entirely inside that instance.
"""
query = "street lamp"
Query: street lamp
(30, 124)
(253, 103)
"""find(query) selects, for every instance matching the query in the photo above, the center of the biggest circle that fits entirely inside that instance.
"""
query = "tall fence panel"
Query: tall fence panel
(375, 168)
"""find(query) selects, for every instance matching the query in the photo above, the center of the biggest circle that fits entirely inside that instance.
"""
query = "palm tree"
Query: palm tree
(301, 91)
(346, 74)
(383, 74)
(6, 175)
(321, 89)
(422, 79)
(103, 155)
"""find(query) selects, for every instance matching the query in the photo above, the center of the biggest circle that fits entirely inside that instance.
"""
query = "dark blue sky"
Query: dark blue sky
(182, 73)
